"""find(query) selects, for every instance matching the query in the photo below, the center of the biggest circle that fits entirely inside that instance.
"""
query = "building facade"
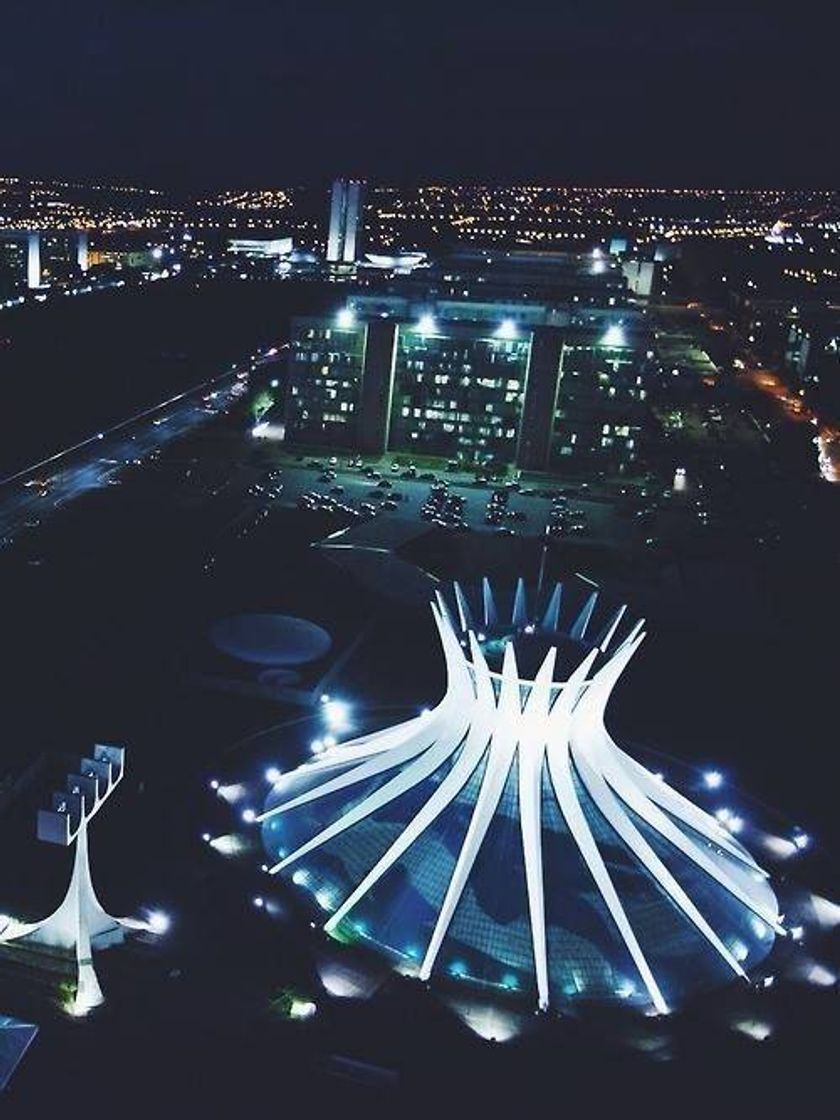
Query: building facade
(488, 383)
(38, 259)
(600, 406)
(346, 202)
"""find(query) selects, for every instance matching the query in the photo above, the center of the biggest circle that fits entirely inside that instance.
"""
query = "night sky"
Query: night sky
(214, 93)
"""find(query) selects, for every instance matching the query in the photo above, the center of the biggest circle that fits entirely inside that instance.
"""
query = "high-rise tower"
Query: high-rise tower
(345, 221)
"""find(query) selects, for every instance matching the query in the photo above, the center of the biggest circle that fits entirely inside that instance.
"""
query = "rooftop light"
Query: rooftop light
(507, 329)
(426, 325)
(273, 775)
(346, 318)
(713, 779)
(249, 816)
(614, 336)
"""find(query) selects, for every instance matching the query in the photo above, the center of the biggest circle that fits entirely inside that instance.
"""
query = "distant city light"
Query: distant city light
(259, 902)
(346, 318)
(713, 779)
(273, 775)
(426, 325)
(249, 816)
(507, 329)
(316, 746)
(802, 840)
(214, 784)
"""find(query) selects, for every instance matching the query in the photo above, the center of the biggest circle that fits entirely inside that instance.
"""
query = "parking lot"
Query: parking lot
(451, 501)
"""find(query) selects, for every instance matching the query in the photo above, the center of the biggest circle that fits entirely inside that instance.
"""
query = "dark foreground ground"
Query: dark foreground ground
(107, 609)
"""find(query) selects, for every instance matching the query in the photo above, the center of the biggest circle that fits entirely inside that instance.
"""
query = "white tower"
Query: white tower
(345, 221)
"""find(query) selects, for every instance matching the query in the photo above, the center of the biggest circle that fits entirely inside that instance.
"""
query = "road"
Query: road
(28, 497)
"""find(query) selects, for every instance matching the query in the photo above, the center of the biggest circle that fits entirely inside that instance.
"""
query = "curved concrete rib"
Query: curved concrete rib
(608, 633)
(500, 757)
(441, 737)
(559, 765)
(580, 624)
(686, 811)
(656, 819)
(461, 772)
(488, 604)
(584, 733)
(405, 741)
(551, 618)
(519, 616)
(531, 754)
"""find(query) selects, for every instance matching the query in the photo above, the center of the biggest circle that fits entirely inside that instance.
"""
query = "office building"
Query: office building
(41, 258)
(488, 383)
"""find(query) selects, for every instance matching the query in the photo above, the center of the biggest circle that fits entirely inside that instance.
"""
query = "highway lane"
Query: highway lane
(33, 494)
